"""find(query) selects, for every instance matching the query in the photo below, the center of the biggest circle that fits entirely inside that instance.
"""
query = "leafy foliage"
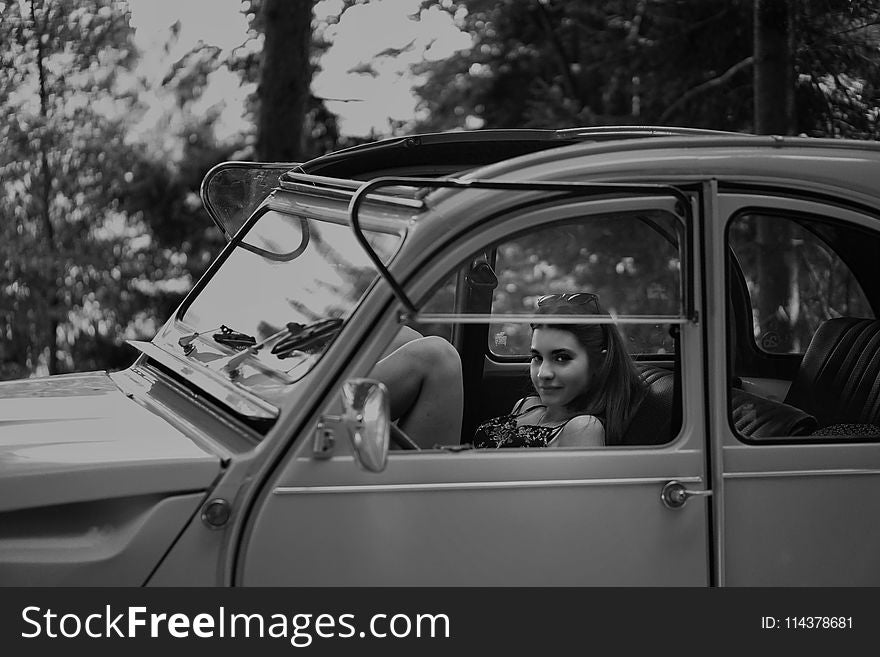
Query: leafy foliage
(91, 241)
(320, 129)
(838, 68)
(548, 63)
(63, 245)
(554, 64)
(101, 226)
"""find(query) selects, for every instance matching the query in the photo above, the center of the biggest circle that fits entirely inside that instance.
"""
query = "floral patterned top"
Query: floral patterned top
(503, 431)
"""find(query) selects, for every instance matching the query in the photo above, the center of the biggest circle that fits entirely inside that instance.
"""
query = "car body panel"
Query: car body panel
(78, 438)
(94, 488)
(112, 542)
(483, 531)
(812, 505)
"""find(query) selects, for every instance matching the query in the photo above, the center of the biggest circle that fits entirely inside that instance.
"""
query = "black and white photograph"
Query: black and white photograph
(465, 299)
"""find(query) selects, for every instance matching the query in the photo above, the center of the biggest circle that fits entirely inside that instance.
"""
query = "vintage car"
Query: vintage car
(248, 444)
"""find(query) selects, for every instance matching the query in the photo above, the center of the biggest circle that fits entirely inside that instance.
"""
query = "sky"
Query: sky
(358, 39)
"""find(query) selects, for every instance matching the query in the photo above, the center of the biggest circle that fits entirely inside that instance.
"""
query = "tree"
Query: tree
(774, 69)
(548, 63)
(768, 66)
(774, 114)
(837, 68)
(285, 77)
(276, 59)
(63, 158)
(824, 52)
(82, 268)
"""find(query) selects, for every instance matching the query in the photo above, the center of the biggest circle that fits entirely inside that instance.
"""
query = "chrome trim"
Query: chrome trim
(477, 485)
(295, 177)
(345, 189)
(801, 473)
(137, 382)
(522, 318)
(137, 390)
(240, 400)
(290, 204)
(636, 131)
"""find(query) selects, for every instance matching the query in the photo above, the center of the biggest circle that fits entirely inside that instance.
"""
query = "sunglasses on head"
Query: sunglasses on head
(571, 299)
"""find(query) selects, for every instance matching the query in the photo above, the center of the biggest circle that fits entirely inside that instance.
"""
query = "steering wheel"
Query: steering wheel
(399, 438)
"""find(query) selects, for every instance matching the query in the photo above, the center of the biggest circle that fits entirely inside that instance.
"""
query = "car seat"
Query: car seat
(838, 380)
(757, 417)
(652, 423)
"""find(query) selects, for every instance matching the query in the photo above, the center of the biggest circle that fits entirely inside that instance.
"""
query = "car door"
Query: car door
(454, 516)
(798, 502)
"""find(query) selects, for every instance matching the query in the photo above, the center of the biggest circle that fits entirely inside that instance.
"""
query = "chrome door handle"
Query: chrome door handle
(674, 494)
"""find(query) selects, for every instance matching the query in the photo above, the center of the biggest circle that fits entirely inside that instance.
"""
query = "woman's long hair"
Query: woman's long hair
(614, 389)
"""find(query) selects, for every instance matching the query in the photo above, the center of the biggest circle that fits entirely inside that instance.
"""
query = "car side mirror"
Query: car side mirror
(367, 421)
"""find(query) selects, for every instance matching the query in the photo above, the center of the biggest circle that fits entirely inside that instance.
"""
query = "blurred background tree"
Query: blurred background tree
(291, 123)
(67, 244)
(549, 63)
(102, 230)
(285, 79)
(100, 234)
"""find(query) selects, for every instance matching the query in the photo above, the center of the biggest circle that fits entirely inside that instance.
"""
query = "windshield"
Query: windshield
(278, 298)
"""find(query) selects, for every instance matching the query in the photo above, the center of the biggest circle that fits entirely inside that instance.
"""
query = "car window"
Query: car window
(795, 280)
(804, 342)
(441, 301)
(629, 260)
(287, 270)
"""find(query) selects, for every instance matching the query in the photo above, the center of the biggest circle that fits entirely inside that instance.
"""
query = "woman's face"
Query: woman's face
(559, 368)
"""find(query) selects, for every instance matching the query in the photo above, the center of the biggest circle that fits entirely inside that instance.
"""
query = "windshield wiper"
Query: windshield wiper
(294, 339)
(309, 337)
(234, 339)
(223, 335)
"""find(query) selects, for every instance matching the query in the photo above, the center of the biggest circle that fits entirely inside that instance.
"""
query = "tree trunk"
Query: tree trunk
(774, 114)
(285, 79)
(45, 195)
(774, 67)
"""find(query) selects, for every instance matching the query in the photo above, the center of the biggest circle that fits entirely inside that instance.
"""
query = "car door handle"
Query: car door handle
(675, 494)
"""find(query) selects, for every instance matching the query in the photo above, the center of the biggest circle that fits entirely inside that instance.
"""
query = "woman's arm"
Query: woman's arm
(581, 431)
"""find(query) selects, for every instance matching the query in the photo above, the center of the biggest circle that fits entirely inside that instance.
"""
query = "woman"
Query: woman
(586, 385)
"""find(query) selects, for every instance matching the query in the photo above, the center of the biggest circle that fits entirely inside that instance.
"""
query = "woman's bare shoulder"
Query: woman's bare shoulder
(582, 431)
(527, 404)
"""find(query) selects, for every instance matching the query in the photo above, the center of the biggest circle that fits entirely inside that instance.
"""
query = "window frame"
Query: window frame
(541, 213)
(631, 215)
(811, 209)
(805, 221)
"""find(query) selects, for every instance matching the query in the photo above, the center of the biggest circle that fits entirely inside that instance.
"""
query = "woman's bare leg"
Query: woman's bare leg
(404, 335)
(423, 377)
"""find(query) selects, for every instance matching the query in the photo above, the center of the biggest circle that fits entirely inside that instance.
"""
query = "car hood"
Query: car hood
(73, 438)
